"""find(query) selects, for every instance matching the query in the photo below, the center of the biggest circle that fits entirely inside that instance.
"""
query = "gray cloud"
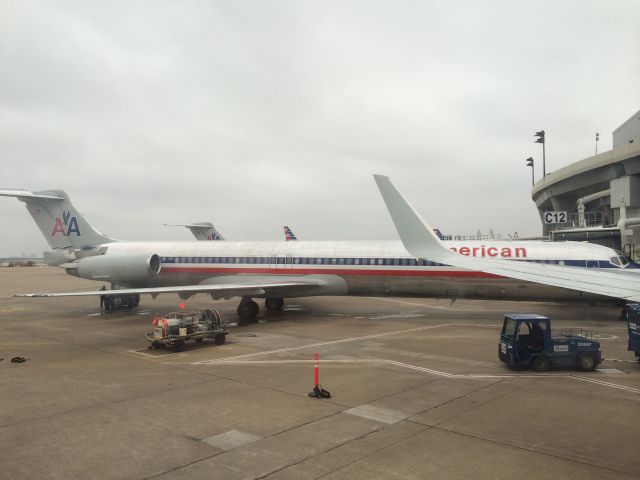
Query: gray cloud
(255, 114)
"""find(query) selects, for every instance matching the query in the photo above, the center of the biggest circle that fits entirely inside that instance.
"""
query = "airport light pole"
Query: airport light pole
(530, 164)
(597, 139)
(540, 139)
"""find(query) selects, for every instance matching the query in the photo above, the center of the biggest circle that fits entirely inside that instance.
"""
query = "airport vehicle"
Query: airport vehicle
(176, 328)
(633, 328)
(275, 270)
(526, 341)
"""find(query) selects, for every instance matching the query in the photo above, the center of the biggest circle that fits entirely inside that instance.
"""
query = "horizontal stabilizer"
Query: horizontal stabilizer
(25, 194)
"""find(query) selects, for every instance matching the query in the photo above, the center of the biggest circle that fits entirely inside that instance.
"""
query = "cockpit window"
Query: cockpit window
(620, 261)
(624, 260)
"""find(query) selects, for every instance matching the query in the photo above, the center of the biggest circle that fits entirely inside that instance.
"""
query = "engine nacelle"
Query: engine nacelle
(125, 269)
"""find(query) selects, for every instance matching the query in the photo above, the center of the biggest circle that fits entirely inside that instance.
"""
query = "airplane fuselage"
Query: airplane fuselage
(374, 268)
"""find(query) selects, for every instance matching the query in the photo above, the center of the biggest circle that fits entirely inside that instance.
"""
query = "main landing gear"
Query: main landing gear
(119, 302)
(248, 309)
(273, 304)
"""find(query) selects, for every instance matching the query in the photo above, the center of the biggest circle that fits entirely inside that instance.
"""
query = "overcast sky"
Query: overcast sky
(255, 114)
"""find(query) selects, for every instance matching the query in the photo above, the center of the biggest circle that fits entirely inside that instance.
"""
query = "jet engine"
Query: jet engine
(122, 269)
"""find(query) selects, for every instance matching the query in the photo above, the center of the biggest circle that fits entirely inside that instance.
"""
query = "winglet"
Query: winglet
(418, 238)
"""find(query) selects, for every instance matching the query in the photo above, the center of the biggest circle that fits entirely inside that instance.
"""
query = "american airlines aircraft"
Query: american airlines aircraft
(419, 239)
(277, 270)
(206, 231)
(203, 231)
(288, 234)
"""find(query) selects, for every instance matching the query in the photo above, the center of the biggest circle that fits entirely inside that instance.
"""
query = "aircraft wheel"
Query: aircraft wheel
(248, 310)
(586, 362)
(541, 364)
(274, 304)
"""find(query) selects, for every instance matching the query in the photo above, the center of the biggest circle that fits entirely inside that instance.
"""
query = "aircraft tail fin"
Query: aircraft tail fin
(200, 230)
(58, 220)
(288, 234)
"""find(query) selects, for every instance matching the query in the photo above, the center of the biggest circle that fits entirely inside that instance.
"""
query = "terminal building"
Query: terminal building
(597, 199)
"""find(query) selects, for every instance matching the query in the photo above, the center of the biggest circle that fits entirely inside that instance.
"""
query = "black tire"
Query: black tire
(513, 363)
(541, 364)
(273, 304)
(178, 345)
(156, 345)
(198, 339)
(248, 310)
(255, 308)
(220, 339)
(586, 362)
(244, 311)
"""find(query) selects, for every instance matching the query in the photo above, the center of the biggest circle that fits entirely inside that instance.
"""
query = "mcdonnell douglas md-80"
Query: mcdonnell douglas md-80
(277, 270)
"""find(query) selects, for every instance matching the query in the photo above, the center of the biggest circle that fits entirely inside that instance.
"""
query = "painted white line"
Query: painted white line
(290, 362)
(145, 354)
(429, 371)
(343, 340)
(607, 384)
(420, 369)
(450, 307)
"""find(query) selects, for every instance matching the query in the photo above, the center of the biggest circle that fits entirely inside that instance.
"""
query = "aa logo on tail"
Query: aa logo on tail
(66, 226)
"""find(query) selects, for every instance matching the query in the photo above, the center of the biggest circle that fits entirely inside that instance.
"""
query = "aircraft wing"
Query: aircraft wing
(420, 241)
(254, 288)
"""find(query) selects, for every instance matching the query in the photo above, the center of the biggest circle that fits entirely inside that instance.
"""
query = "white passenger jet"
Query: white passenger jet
(418, 238)
(203, 231)
(276, 270)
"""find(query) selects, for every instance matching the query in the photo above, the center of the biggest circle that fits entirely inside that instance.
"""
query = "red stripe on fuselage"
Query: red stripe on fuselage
(338, 271)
